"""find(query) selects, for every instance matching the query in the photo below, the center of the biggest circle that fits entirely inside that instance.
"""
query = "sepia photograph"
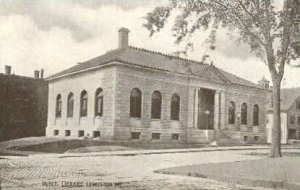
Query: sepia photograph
(149, 94)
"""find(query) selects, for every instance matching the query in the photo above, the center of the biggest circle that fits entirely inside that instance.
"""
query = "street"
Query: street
(79, 171)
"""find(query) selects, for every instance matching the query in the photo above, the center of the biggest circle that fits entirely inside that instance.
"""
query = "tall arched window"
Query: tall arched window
(231, 113)
(175, 107)
(255, 115)
(135, 103)
(83, 104)
(244, 114)
(156, 105)
(70, 105)
(58, 106)
(99, 102)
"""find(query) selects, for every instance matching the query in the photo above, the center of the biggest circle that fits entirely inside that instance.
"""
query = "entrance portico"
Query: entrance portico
(207, 114)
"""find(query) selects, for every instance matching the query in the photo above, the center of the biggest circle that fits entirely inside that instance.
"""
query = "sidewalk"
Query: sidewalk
(158, 151)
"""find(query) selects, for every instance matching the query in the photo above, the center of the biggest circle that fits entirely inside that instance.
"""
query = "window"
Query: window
(83, 104)
(245, 138)
(70, 105)
(292, 134)
(135, 135)
(55, 132)
(298, 104)
(292, 119)
(99, 102)
(298, 120)
(244, 114)
(58, 106)
(175, 136)
(155, 136)
(256, 138)
(135, 103)
(80, 133)
(96, 134)
(156, 105)
(67, 133)
(175, 107)
(256, 115)
(231, 113)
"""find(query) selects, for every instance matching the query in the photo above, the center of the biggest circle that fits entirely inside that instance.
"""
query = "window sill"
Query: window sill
(135, 118)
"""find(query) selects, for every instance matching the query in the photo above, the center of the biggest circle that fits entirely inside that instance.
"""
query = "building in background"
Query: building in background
(23, 105)
(289, 116)
(136, 94)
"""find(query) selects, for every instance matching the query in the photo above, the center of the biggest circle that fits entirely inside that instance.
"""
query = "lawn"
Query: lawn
(272, 173)
(33, 145)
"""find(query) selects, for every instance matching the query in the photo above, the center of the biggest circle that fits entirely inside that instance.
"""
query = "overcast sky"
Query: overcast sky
(57, 34)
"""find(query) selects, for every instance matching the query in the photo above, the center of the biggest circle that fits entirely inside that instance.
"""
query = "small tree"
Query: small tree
(272, 33)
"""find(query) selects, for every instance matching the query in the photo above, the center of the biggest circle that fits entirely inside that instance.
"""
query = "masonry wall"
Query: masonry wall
(249, 133)
(23, 107)
(149, 81)
(89, 81)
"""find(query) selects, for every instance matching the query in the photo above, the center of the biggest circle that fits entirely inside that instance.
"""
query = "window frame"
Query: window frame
(84, 101)
(244, 114)
(175, 107)
(156, 105)
(135, 103)
(58, 106)
(231, 113)
(256, 116)
(99, 98)
(70, 105)
(298, 104)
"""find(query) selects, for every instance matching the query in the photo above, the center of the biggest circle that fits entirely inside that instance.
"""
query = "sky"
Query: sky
(57, 34)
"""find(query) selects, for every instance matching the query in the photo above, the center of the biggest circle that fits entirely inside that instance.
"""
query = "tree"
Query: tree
(271, 30)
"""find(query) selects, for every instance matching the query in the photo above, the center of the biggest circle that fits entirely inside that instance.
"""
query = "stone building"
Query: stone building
(23, 105)
(289, 115)
(135, 94)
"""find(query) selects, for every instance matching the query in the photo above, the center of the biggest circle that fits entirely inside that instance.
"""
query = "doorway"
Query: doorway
(206, 99)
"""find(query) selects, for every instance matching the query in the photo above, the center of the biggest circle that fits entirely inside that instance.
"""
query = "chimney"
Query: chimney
(123, 38)
(42, 73)
(7, 70)
(36, 74)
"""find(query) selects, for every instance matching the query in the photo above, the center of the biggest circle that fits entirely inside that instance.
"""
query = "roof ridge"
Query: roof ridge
(168, 55)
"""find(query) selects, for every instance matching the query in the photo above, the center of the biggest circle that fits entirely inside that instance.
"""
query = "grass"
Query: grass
(26, 146)
(271, 173)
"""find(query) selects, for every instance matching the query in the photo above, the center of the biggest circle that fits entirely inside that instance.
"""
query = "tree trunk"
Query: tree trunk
(276, 128)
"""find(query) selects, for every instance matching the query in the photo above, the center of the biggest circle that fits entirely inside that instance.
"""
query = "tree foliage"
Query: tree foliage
(270, 27)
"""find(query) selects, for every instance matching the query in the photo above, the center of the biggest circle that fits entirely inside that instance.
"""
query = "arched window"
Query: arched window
(244, 114)
(83, 104)
(255, 115)
(99, 102)
(135, 103)
(70, 105)
(175, 107)
(156, 105)
(58, 106)
(231, 113)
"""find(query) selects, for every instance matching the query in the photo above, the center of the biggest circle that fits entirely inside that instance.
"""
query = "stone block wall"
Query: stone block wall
(149, 81)
(90, 81)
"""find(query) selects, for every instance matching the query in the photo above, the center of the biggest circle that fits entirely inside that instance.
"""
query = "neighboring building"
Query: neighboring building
(23, 105)
(136, 94)
(290, 115)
